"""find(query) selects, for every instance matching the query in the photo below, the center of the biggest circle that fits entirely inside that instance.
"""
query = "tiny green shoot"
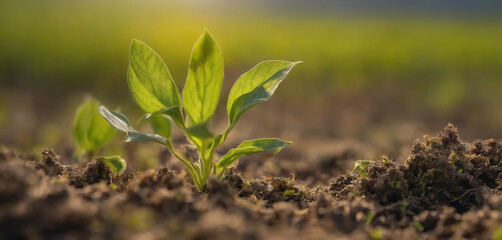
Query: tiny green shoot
(90, 130)
(369, 218)
(289, 192)
(153, 89)
(360, 167)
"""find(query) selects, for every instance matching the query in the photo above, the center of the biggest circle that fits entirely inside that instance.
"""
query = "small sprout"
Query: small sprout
(360, 167)
(90, 130)
(496, 159)
(116, 163)
(418, 226)
(370, 217)
(385, 160)
(153, 89)
(289, 192)
(460, 170)
(113, 186)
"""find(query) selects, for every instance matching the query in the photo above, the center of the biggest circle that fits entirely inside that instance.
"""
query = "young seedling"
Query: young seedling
(360, 167)
(153, 89)
(90, 130)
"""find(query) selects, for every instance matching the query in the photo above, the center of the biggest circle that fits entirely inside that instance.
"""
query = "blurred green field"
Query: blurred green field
(62, 49)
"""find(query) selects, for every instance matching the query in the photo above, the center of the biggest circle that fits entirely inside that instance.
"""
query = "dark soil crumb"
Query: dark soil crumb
(447, 189)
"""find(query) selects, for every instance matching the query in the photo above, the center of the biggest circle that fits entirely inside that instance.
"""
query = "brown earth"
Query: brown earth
(447, 188)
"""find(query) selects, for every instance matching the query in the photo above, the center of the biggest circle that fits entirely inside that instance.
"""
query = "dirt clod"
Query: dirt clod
(50, 163)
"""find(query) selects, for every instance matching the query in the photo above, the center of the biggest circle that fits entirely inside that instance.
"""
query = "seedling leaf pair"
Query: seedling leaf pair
(154, 91)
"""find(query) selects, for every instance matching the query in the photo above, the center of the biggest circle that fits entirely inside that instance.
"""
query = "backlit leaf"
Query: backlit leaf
(203, 85)
(149, 79)
(255, 86)
(250, 147)
(90, 130)
(161, 125)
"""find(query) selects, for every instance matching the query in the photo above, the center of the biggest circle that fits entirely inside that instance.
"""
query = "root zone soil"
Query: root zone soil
(446, 189)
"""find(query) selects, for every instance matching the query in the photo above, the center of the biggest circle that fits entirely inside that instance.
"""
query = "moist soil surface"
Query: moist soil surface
(445, 189)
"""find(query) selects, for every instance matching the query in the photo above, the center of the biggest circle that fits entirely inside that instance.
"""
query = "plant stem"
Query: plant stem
(194, 170)
(208, 164)
(195, 176)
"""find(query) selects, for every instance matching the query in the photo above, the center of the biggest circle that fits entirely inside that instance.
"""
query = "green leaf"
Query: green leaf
(203, 85)
(99, 133)
(173, 112)
(250, 147)
(120, 122)
(201, 136)
(116, 163)
(255, 86)
(201, 131)
(149, 79)
(90, 130)
(82, 120)
(161, 125)
(360, 167)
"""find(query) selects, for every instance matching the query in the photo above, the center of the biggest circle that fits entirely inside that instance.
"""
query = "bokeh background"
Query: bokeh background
(377, 75)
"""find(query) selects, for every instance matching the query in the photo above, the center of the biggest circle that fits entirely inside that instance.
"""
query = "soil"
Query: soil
(447, 188)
